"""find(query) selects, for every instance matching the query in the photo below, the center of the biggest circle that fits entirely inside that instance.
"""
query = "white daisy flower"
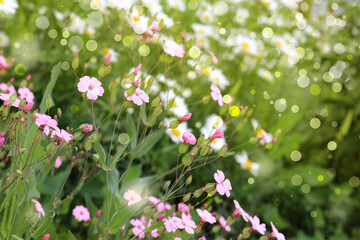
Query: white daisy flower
(153, 6)
(177, 4)
(169, 22)
(246, 45)
(76, 24)
(178, 107)
(121, 4)
(4, 39)
(270, 4)
(262, 135)
(265, 74)
(246, 163)
(218, 78)
(8, 6)
(212, 123)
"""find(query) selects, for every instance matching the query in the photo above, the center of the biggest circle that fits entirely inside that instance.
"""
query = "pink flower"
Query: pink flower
(184, 118)
(206, 216)
(138, 97)
(6, 96)
(174, 49)
(91, 86)
(139, 228)
(160, 206)
(58, 162)
(81, 213)
(202, 238)
(240, 212)
(3, 63)
(213, 57)
(2, 140)
(26, 94)
(98, 213)
(223, 186)
(189, 138)
(185, 35)
(137, 69)
(155, 26)
(275, 233)
(46, 237)
(38, 207)
(218, 134)
(185, 223)
(45, 122)
(132, 197)
(216, 95)
(170, 224)
(255, 221)
(61, 136)
(223, 225)
(28, 77)
(182, 207)
(87, 129)
(28, 107)
(108, 59)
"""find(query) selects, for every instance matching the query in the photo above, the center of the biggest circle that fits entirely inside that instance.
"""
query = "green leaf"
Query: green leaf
(70, 236)
(143, 114)
(16, 237)
(43, 224)
(149, 143)
(117, 156)
(102, 155)
(123, 216)
(131, 130)
(54, 75)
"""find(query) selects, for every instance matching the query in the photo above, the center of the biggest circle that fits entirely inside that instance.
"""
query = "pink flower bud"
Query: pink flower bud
(274, 139)
(192, 154)
(137, 83)
(186, 117)
(198, 45)
(2, 140)
(2, 134)
(98, 213)
(185, 35)
(46, 237)
(12, 80)
(161, 218)
(22, 120)
(189, 138)
(218, 134)
(137, 69)
(107, 61)
(6, 159)
(28, 77)
(28, 107)
(87, 128)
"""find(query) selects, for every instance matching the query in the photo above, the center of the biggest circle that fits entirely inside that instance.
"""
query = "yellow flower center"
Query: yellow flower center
(267, 3)
(214, 141)
(206, 71)
(1, 40)
(2, 2)
(248, 164)
(259, 133)
(245, 45)
(201, 31)
(278, 44)
(217, 79)
(88, 33)
(174, 105)
(105, 51)
(207, 17)
(176, 132)
(136, 18)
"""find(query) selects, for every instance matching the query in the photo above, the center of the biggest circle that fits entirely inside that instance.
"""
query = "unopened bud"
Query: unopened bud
(104, 70)
(75, 63)
(59, 112)
(189, 180)
(28, 77)
(222, 150)
(174, 124)
(137, 69)
(155, 101)
(183, 147)
(107, 61)
(186, 197)
(167, 184)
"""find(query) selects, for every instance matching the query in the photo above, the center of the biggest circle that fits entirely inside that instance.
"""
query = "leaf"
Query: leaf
(131, 130)
(123, 216)
(43, 224)
(345, 126)
(143, 114)
(149, 142)
(70, 236)
(16, 237)
(117, 156)
(54, 75)
(102, 155)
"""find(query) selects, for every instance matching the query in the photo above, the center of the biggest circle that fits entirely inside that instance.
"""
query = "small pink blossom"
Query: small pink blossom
(139, 228)
(223, 225)
(45, 122)
(185, 35)
(255, 221)
(138, 97)
(46, 237)
(6, 96)
(58, 162)
(98, 213)
(81, 213)
(213, 57)
(182, 207)
(38, 207)
(3, 63)
(26, 94)
(28, 77)
(189, 138)
(184, 118)
(174, 49)
(91, 86)
(206, 216)
(275, 233)
(160, 206)
(185, 222)
(216, 95)
(170, 224)
(28, 107)
(132, 197)
(223, 186)
(61, 136)
(202, 238)
(2, 140)
(87, 129)
(240, 212)
(155, 26)
(218, 134)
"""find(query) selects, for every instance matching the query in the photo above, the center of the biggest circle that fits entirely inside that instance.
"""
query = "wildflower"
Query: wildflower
(6, 97)
(3, 63)
(138, 97)
(184, 118)
(87, 129)
(275, 233)
(160, 206)
(223, 186)
(245, 163)
(262, 135)
(28, 107)
(45, 122)
(178, 107)
(139, 227)
(38, 207)
(155, 26)
(2, 140)
(26, 94)
(81, 213)
(189, 138)
(58, 162)
(91, 86)
(213, 57)
(223, 225)
(182, 207)
(8, 6)
(216, 95)
(61, 136)
(239, 212)
(202, 238)
(132, 197)
(170, 224)
(218, 134)
(46, 237)
(255, 221)
(174, 49)
(185, 222)
(206, 217)
(108, 59)
(176, 133)
(137, 69)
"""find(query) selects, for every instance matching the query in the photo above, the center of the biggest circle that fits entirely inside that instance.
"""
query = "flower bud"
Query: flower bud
(85, 66)
(186, 197)
(209, 187)
(107, 61)
(189, 180)
(98, 213)
(28, 77)
(187, 160)
(137, 69)
(167, 184)
(222, 150)
(104, 70)
(155, 101)
(198, 193)
(174, 124)
(204, 151)
(131, 91)
(186, 117)
(28, 107)
(46, 237)
(218, 134)
(75, 63)
(85, 128)
(183, 148)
